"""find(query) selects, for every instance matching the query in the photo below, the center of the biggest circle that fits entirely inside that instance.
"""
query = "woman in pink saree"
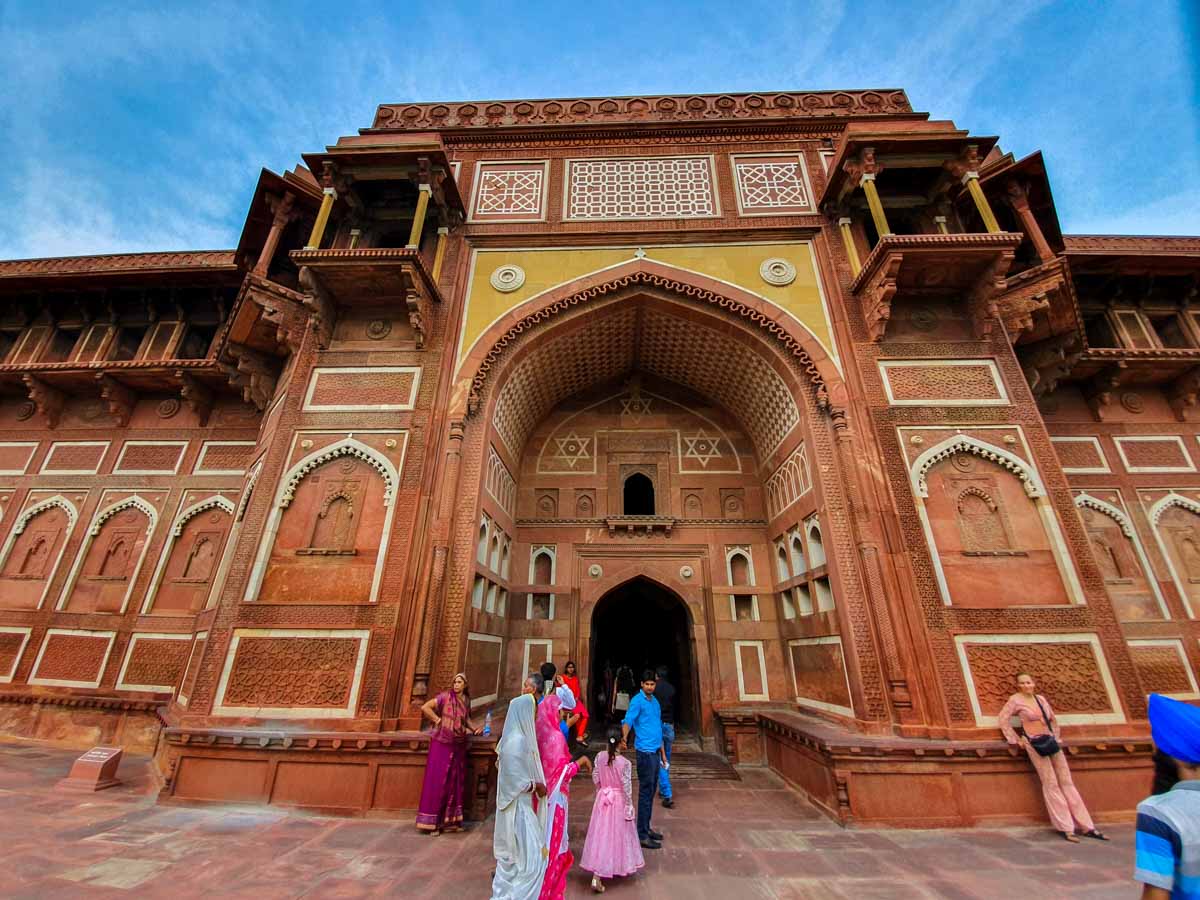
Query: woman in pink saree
(559, 770)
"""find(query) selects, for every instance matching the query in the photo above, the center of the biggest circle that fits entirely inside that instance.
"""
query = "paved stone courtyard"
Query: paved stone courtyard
(750, 838)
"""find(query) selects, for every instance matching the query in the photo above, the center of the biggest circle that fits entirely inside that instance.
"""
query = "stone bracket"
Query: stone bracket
(1184, 393)
(1045, 363)
(120, 399)
(983, 306)
(254, 373)
(1098, 391)
(197, 395)
(49, 400)
(877, 297)
(322, 309)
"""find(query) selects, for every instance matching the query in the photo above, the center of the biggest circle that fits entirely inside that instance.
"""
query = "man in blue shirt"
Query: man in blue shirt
(644, 717)
(1167, 842)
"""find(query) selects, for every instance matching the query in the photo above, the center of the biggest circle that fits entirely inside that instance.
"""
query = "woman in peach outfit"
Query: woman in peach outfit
(1040, 730)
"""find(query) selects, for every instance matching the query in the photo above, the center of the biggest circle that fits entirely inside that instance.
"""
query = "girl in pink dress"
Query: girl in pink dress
(612, 847)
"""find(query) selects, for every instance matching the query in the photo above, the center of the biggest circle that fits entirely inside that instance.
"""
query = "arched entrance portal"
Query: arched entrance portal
(641, 625)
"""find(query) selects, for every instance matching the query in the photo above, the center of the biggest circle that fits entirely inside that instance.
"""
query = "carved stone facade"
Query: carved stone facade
(542, 369)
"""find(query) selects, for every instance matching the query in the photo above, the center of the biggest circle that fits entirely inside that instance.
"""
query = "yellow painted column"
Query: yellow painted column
(418, 225)
(867, 183)
(318, 231)
(439, 253)
(971, 180)
(851, 247)
(940, 222)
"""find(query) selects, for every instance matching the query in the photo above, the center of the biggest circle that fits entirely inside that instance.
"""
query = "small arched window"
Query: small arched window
(816, 548)
(481, 552)
(739, 569)
(798, 564)
(639, 495)
(781, 563)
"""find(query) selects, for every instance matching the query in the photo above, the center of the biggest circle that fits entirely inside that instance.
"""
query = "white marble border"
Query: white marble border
(181, 697)
(58, 682)
(293, 712)
(1088, 637)
(150, 636)
(1079, 439)
(488, 639)
(33, 447)
(183, 445)
(530, 643)
(198, 468)
(310, 406)
(6, 678)
(886, 365)
(1177, 644)
(1121, 440)
(46, 470)
(820, 704)
(762, 670)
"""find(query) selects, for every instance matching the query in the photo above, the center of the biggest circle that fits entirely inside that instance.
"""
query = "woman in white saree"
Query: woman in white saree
(519, 843)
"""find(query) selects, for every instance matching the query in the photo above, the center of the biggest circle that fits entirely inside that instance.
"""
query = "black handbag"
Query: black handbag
(1044, 744)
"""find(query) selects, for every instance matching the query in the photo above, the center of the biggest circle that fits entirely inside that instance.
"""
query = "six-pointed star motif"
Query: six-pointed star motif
(701, 447)
(572, 448)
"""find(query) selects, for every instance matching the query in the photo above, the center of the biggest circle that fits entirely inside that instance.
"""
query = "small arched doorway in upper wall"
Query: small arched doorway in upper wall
(638, 495)
(641, 625)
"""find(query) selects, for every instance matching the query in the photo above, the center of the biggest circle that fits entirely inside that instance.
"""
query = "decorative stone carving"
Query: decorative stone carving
(120, 399)
(507, 279)
(48, 400)
(778, 272)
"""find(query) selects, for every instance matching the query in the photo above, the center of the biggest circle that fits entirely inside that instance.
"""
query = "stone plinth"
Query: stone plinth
(94, 771)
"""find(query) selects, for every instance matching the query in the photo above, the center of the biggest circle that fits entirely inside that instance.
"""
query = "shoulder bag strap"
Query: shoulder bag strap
(1045, 718)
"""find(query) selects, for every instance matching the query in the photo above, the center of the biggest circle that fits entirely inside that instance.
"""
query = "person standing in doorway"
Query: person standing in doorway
(570, 678)
(644, 718)
(1167, 841)
(664, 693)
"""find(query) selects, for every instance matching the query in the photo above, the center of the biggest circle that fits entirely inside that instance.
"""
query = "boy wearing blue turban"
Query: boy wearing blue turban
(1168, 822)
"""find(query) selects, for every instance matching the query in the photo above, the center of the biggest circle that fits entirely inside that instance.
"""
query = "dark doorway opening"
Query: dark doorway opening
(641, 625)
(639, 495)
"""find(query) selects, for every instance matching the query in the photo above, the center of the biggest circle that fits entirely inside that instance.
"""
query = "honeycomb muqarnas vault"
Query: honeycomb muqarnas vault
(803, 395)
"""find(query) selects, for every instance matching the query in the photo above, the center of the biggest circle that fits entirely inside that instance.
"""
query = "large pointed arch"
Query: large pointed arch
(793, 337)
(965, 443)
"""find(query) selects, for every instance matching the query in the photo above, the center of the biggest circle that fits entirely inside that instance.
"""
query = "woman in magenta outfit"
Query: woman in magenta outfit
(559, 770)
(446, 771)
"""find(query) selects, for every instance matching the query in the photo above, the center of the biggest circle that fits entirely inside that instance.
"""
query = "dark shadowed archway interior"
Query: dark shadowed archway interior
(641, 625)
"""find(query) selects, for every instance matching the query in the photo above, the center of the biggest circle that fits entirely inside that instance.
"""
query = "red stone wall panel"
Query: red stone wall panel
(225, 457)
(305, 672)
(1067, 673)
(1161, 669)
(146, 457)
(820, 673)
(156, 662)
(1167, 453)
(384, 389)
(72, 657)
(74, 457)
(1081, 454)
(15, 457)
(973, 382)
(11, 644)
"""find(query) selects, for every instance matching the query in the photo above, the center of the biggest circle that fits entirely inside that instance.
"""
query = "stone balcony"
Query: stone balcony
(369, 277)
(935, 268)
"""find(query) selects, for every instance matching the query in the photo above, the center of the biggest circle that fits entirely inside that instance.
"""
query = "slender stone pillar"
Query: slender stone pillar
(851, 247)
(418, 225)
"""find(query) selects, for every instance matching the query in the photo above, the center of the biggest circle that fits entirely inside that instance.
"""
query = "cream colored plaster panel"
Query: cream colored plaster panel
(736, 264)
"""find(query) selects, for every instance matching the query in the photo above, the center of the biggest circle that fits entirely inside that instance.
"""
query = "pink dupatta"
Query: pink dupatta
(551, 744)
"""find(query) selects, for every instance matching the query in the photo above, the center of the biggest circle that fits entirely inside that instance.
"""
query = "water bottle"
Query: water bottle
(487, 724)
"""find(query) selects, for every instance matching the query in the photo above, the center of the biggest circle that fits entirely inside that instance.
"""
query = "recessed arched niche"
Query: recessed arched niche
(193, 557)
(327, 535)
(111, 558)
(33, 552)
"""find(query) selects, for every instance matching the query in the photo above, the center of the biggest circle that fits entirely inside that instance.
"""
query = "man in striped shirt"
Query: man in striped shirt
(1168, 822)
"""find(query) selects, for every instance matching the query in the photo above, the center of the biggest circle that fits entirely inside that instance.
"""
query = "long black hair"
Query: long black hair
(614, 738)
(1166, 773)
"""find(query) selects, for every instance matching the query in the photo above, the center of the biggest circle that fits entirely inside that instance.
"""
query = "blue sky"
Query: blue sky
(137, 126)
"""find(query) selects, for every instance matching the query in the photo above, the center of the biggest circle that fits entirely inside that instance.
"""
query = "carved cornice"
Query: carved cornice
(120, 262)
(1045, 287)
(1109, 244)
(281, 307)
(82, 701)
(636, 110)
(748, 133)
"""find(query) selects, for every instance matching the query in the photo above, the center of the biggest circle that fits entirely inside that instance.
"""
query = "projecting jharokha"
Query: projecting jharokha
(804, 396)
